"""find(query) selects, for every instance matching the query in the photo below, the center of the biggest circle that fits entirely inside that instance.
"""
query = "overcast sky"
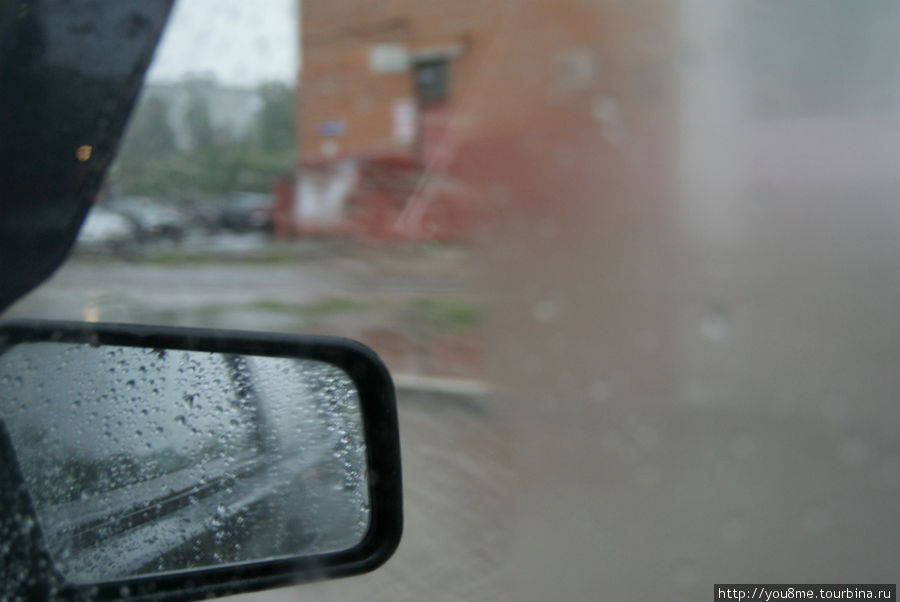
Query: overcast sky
(240, 42)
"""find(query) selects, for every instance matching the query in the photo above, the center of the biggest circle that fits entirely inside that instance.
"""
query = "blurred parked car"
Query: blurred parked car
(154, 220)
(248, 212)
(106, 231)
(207, 215)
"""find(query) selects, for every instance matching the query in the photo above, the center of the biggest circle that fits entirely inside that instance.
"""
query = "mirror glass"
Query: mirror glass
(144, 461)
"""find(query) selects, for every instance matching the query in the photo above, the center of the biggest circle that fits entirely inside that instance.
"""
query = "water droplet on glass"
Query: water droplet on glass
(816, 520)
(607, 111)
(548, 229)
(599, 391)
(646, 476)
(852, 452)
(890, 470)
(714, 325)
(743, 447)
(26, 525)
(646, 341)
(647, 437)
(732, 531)
(545, 311)
(834, 408)
(685, 576)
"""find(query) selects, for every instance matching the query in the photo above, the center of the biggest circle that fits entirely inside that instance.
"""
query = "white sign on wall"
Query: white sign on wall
(388, 58)
(404, 120)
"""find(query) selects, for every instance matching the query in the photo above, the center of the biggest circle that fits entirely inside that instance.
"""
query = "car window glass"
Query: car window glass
(633, 267)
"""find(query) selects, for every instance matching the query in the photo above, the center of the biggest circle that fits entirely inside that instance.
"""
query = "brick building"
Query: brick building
(408, 109)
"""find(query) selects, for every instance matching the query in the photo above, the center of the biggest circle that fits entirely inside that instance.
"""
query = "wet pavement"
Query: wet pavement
(187, 288)
(414, 304)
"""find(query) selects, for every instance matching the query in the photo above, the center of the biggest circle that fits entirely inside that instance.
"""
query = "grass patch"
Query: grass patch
(177, 259)
(448, 314)
(313, 310)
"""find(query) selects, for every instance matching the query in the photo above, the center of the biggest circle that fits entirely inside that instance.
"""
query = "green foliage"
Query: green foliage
(447, 314)
(275, 122)
(313, 310)
(154, 130)
(150, 164)
(149, 135)
(199, 123)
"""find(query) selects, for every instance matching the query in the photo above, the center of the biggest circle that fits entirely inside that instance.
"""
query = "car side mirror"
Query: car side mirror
(174, 462)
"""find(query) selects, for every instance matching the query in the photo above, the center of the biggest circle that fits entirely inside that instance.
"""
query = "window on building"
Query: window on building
(432, 80)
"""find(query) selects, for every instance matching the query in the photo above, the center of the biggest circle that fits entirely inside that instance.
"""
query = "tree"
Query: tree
(148, 140)
(149, 132)
(213, 163)
(275, 120)
(199, 123)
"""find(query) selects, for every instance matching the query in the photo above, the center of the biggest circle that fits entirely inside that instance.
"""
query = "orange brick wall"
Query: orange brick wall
(564, 108)
(529, 54)
(336, 80)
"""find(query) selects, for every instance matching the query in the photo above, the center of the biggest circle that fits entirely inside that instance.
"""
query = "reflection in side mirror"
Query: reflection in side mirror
(148, 460)
(154, 453)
